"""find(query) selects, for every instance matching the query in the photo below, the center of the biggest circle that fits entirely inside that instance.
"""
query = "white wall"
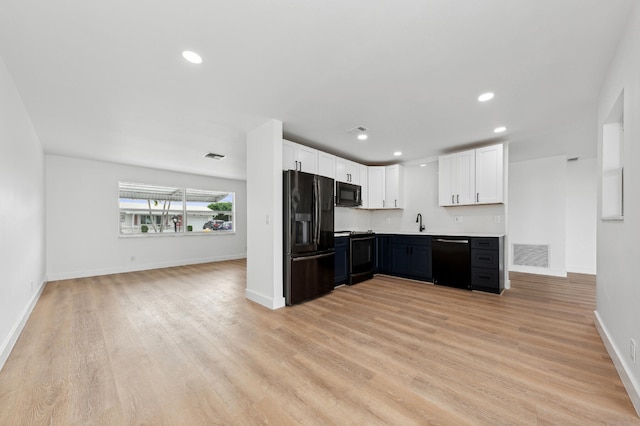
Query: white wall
(83, 213)
(264, 216)
(537, 210)
(581, 215)
(421, 196)
(618, 289)
(22, 215)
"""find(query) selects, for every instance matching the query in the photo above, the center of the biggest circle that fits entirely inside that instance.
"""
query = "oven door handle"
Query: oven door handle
(362, 238)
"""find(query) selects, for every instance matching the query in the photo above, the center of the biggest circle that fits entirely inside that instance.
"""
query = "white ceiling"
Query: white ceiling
(106, 80)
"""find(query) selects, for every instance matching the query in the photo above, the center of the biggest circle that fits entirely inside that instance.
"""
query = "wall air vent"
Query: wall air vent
(531, 255)
(214, 156)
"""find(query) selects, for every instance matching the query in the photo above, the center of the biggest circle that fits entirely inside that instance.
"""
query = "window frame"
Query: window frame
(182, 212)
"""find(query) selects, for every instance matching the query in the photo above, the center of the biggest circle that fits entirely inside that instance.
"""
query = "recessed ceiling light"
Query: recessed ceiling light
(192, 57)
(499, 129)
(397, 153)
(485, 97)
(423, 165)
(362, 136)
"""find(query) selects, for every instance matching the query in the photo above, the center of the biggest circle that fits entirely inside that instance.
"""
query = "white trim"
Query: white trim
(633, 389)
(538, 271)
(264, 300)
(12, 338)
(581, 270)
(142, 267)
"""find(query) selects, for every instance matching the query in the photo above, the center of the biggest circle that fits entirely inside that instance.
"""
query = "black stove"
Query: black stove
(361, 255)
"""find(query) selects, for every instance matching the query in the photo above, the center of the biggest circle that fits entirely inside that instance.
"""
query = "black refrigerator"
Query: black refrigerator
(309, 253)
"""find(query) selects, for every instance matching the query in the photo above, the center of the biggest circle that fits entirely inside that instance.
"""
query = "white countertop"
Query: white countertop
(429, 233)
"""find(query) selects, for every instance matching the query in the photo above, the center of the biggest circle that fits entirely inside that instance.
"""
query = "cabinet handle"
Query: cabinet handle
(453, 199)
(382, 203)
(396, 202)
(477, 197)
(458, 198)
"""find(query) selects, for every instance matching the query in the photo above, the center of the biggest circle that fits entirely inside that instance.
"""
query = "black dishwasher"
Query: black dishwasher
(451, 258)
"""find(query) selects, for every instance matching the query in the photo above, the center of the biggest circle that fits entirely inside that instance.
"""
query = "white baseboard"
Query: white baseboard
(12, 338)
(140, 267)
(632, 387)
(264, 300)
(538, 271)
(581, 270)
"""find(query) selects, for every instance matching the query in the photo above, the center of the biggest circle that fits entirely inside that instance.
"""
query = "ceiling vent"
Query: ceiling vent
(214, 156)
(357, 130)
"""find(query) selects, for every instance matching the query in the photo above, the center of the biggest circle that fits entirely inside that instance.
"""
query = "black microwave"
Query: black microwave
(348, 194)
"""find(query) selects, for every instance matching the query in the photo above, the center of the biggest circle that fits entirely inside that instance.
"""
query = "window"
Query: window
(209, 211)
(161, 210)
(613, 163)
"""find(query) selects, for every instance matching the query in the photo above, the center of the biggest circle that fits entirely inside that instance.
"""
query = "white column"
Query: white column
(264, 215)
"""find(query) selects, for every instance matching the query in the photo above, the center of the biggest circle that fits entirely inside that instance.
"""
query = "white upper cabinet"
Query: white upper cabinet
(375, 179)
(385, 187)
(489, 175)
(364, 183)
(456, 178)
(326, 165)
(393, 186)
(299, 157)
(471, 177)
(347, 171)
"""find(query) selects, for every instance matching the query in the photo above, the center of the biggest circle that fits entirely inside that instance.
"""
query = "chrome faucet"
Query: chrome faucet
(419, 219)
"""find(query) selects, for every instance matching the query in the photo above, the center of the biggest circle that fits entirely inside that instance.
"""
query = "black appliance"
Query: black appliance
(451, 259)
(348, 194)
(361, 256)
(309, 254)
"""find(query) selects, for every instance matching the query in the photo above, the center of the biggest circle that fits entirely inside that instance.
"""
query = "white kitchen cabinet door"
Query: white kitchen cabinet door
(289, 156)
(308, 158)
(489, 175)
(299, 157)
(347, 171)
(326, 165)
(466, 177)
(456, 179)
(446, 173)
(364, 183)
(375, 179)
(393, 184)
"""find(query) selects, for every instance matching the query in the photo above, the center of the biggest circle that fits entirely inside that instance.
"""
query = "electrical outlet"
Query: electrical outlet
(133, 258)
(632, 350)
(458, 219)
(496, 219)
(388, 220)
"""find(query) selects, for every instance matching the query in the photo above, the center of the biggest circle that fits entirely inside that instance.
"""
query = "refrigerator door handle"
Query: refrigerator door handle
(318, 202)
(317, 256)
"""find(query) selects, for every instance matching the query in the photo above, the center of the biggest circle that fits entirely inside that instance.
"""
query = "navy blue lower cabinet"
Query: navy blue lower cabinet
(342, 260)
(411, 257)
(383, 255)
(487, 266)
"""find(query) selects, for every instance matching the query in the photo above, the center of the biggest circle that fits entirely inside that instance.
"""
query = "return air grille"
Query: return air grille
(531, 255)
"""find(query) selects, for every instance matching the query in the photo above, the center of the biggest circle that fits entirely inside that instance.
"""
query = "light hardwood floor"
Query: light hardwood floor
(183, 346)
